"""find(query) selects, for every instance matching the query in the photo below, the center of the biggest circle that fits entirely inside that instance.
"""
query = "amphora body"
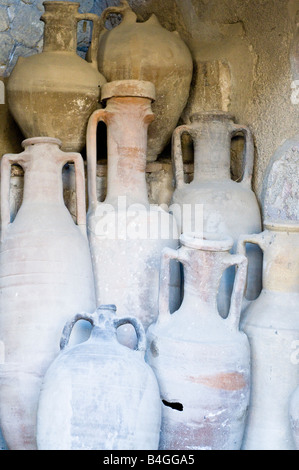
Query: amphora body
(216, 203)
(54, 93)
(201, 360)
(45, 276)
(100, 395)
(271, 323)
(126, 233)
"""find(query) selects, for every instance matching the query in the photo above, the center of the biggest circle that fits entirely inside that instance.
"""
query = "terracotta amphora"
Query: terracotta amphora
(126, 232)
(223, 205)
(201, 360)
(45, 277)
(54, 93)
(271, 323)
(147, 51)
(100, 395)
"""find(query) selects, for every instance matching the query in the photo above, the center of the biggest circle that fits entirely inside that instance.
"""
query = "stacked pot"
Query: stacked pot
(128, 328)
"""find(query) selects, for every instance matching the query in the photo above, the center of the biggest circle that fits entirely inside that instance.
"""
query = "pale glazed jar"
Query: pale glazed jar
(201, 360)
(147, 51)
(100, 395)
(271, 323)
(222, 205)
(126, 233)
(54, 93)
(45, 277)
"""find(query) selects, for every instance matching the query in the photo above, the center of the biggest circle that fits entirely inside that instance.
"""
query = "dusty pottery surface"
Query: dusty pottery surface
(294, 416)
(228, 207)
(201, 360)
(54, 93)
(45, 277)
(147, 51)
(280, 196)
(100, 395)
(271, 323)
(126, 233)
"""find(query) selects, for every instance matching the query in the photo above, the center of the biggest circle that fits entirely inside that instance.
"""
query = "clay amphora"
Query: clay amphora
(45, 277)
(54, 93)
(280, 194)
(271, 323)
(294, 412)
(201, 360)
(226, 206)
(100, 395)
(126, 233)
(147, 51)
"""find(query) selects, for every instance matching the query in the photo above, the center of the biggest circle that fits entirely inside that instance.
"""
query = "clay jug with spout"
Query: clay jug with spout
(54, 93)
(126, 233)
(144, 50)
(100, 395)
(45, 277)
(201, 360)
(271, 323)
(224, 206)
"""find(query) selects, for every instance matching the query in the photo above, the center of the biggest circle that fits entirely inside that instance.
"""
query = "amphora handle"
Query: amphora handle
(65, 157)
(91, 155)
(94, 44)
(241, 263)
(177, 154)
(122, 9)
(248, 155)
(114, 323)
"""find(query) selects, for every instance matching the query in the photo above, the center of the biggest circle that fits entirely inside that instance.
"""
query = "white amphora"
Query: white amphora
(100, 395)
(271, 323)
(45, 276)
(201, 360)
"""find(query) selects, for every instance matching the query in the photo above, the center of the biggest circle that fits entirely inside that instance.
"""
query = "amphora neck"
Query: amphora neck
(42, 163)
(281, 257)
(60, 32)
(204, 264)
(127, 119)
(212, 145)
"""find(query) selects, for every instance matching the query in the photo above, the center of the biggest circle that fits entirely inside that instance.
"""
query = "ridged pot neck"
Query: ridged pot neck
(128, 88)
(286, 226)
(60, 32)
(210, 116)
(41, 141)
(207, 241)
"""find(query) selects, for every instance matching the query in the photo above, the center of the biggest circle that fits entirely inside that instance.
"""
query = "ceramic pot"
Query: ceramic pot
(215, 201)
(147, 51)
(280, 195)
(201, 360)
(100, 395)
(294, 413)
(45, 277)
(54, 93)
(271, 323)
(126, 233)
